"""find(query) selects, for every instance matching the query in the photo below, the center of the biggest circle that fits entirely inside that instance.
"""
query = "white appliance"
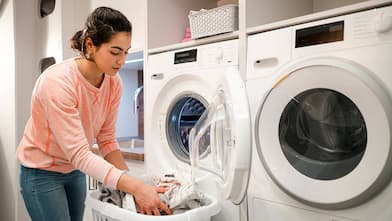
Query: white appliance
(179, 87)
(320, 97)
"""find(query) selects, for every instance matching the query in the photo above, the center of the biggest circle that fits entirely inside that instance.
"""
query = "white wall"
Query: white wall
(135, 11)
(27, 55)
(7, 112)
(266, 11)
(127, 124)
(321, 5)
(73, 17)
(225, 2)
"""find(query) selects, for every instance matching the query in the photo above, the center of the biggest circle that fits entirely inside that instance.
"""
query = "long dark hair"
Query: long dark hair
(100, 26)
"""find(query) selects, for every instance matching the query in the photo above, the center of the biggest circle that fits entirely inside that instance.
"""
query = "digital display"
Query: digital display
(185, 56)
(320, 34)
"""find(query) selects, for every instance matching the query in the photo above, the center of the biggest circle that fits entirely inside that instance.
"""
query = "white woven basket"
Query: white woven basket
(214, 21)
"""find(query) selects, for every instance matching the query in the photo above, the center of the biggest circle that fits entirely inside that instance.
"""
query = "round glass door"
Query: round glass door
(322, 128)
(184, 114)
(226, 124)
(322, 134)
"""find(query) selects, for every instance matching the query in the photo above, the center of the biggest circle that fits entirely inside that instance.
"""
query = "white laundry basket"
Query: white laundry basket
(103, 211)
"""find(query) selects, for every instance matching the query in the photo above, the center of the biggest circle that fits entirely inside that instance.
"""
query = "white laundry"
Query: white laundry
(179, 196)
(128, 203)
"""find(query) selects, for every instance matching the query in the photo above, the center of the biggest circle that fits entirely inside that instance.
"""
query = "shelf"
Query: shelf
(191, 43)
(319, 15)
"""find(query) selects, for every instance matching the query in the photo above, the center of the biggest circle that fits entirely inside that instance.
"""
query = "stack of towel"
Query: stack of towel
(180, 196)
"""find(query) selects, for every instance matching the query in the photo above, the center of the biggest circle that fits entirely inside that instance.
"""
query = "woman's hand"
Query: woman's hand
(148, 201)
(146, 196)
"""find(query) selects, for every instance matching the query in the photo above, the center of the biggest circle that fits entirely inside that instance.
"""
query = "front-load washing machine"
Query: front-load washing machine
(179, 87)
(320, 98)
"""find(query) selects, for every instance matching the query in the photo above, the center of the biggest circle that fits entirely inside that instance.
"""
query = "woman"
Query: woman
(74, 104)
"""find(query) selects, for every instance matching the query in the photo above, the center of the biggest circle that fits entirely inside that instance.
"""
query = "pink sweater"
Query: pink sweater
(67, 115)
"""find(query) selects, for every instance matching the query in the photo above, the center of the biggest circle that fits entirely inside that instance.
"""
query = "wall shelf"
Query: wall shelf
(343, 8)
(202, 41)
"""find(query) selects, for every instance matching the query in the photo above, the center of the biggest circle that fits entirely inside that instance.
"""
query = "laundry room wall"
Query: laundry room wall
(266, 11)
(225, 2)
(7, 112)
(135, 10)
(127, 123)
(29, 48)
(321, 5)
(73, 16)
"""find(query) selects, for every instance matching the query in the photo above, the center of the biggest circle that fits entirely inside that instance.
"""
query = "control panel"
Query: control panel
(216, 54)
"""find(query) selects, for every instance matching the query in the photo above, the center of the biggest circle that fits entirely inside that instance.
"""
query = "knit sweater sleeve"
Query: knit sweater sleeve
(60, 100)
(106, 138)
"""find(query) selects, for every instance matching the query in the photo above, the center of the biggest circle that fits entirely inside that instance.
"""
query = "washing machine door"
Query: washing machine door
(324, 133)
(225, 128)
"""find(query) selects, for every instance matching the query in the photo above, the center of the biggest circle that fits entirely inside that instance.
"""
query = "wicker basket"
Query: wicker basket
(214, 21)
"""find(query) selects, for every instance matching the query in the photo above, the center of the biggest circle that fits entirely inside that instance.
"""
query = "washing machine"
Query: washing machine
(182, 85)
(320, 98)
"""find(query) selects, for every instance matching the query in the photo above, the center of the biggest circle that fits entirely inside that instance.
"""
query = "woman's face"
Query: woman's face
(110, 56)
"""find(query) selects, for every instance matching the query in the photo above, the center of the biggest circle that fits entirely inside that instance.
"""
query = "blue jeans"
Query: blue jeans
(52, 196)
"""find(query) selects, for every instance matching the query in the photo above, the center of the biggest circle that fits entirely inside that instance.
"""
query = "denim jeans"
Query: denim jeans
(50, 196)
